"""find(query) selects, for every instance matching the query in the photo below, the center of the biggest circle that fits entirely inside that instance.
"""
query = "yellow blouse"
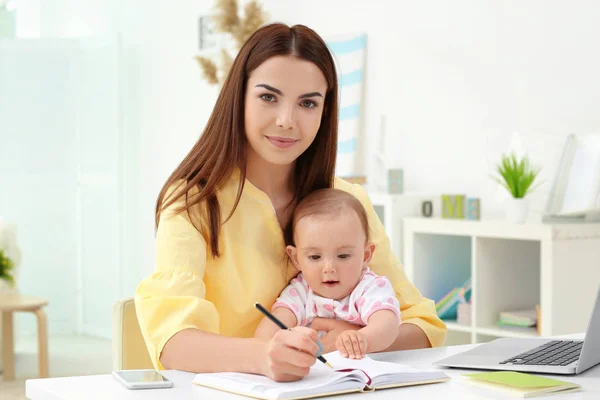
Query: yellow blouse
(190, 289)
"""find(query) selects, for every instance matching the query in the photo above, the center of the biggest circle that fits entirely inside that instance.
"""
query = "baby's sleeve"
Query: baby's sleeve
(294, 297)
(378, 295)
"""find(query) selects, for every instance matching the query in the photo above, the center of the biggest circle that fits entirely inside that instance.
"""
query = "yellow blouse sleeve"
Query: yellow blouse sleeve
(415, 308)
(173, 297)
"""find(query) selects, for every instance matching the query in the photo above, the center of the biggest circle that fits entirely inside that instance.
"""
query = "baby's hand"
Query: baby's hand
(352, 344)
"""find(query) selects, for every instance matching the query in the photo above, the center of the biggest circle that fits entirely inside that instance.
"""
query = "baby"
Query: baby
(331, 249)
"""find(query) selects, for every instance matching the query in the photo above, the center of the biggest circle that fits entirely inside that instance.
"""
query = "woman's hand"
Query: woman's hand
(333, 327)
(290, 354)
(352, 344)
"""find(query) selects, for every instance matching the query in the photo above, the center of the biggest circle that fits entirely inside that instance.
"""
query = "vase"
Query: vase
(516, 210)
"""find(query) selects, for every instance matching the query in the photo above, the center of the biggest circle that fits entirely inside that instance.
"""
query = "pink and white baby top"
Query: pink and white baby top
(372, 293)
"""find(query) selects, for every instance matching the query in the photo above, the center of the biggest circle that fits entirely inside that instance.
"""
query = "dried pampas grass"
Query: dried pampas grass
(228, 21)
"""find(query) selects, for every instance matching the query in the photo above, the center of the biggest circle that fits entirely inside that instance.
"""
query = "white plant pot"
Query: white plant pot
(516, 210)
(5, 288)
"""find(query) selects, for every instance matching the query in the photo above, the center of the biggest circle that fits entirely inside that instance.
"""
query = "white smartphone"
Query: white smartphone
(142, 379)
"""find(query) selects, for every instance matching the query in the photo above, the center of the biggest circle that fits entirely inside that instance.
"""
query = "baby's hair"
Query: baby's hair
(330, 202)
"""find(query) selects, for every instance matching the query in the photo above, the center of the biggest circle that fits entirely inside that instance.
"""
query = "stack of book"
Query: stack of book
(519, 384)
(519, 318)
(447, 307)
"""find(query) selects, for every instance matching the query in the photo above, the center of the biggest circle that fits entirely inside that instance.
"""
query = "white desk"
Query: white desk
(106, 387)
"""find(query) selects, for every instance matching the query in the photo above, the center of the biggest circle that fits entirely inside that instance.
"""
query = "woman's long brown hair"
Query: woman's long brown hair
(222, 145)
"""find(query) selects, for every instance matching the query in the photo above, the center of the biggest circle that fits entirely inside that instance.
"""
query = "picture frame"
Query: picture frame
(575, 194)
(207, 35)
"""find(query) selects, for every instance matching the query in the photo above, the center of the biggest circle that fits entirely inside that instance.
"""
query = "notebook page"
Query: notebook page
(384, 373)
(319, 380)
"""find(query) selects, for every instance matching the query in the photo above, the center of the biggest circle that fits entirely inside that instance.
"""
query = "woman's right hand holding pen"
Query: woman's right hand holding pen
(290, 354)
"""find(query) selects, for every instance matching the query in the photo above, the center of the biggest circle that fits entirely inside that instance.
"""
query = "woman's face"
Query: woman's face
(284, 104)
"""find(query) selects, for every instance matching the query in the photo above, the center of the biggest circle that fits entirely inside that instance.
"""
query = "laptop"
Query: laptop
(539, 355)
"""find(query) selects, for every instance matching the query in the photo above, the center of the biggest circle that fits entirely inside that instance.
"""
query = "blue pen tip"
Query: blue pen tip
(320, 351)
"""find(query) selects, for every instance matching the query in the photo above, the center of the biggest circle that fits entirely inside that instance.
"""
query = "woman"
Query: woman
(223, 217)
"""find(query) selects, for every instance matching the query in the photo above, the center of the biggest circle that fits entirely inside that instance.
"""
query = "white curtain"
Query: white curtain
(61, 173)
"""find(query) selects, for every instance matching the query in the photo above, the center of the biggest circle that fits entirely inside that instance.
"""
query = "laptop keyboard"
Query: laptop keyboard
(557, 352)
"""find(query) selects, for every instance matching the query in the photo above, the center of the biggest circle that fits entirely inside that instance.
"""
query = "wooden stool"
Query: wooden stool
(10, 303)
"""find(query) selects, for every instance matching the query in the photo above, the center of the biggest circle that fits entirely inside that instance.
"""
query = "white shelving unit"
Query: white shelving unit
(392, 208)
(511, 267)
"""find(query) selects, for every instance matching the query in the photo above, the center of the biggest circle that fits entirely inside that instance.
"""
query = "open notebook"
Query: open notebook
(363, 375)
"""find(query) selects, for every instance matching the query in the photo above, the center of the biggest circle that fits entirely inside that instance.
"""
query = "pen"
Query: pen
(282, 326)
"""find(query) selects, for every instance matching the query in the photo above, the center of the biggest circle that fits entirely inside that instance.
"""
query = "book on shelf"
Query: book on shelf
(519, 384)
(447, 307)
(365, 375)
(520, 318)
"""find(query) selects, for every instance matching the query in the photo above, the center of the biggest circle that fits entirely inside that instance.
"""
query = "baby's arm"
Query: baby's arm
(378, 335)
(381, 330)
(380, 310)
(267, 328)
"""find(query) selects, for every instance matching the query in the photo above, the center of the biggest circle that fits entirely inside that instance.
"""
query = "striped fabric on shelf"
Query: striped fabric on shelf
(349, 54)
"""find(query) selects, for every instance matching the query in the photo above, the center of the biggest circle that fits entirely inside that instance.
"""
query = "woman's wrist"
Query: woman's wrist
(256, 357)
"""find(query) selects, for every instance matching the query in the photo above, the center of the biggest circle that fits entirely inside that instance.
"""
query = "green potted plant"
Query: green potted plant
(10, 257)
(519, 177)
(6, 269)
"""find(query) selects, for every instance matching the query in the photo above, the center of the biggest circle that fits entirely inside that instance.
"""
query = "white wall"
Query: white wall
(473, 72)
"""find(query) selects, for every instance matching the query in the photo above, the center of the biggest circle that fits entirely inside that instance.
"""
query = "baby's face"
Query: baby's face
(331, 253)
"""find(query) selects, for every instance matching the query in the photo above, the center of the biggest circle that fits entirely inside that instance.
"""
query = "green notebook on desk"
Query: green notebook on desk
(519, 384)
(364, 375)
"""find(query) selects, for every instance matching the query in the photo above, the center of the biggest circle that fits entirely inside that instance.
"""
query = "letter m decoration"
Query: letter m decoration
(453, 206)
